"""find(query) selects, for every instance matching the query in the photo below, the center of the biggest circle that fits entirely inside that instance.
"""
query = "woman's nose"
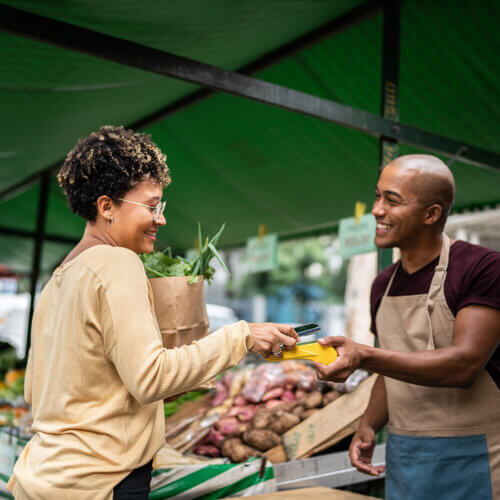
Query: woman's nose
(161, 221)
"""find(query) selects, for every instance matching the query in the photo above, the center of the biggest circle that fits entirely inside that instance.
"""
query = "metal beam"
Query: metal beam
(347, 20)
(37, 254)
(96, 44)
(390, 95)
(54, 238)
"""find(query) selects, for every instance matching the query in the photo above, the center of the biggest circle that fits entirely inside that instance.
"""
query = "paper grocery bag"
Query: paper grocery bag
(180, 309)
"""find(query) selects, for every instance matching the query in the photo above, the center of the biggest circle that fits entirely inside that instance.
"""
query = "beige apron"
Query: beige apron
(424, 322)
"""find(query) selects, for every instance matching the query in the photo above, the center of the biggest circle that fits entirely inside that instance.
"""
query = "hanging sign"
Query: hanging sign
(262, 253)
(357, 238)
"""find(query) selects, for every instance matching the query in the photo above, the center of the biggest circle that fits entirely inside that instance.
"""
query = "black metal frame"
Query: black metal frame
(54, 238)
(43, 201)
(390, 95)
(385, 127)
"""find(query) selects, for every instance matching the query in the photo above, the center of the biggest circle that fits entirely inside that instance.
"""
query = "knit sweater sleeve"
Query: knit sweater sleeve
(132, 340)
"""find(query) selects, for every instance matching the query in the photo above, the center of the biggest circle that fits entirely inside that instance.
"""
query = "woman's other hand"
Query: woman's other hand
(269, 337)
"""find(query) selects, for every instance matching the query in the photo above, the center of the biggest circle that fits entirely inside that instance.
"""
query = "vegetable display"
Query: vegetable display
(253, 407)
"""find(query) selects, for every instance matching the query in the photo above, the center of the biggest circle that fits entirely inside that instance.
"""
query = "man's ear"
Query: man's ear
(433, 214)
(105, 207)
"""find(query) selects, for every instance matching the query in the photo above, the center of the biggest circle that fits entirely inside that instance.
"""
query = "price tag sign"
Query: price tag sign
(8, 453)
(262, 253)
(357, 238)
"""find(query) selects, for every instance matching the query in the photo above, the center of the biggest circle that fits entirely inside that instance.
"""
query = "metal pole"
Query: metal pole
(390, 95)
(37, 254)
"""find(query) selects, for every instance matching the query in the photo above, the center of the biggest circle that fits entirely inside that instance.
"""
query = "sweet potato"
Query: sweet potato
(234, 449)
(221, 394)
(227, 425)
(288, 396)
(273, 394)
(243, 413)
(262, 439)
(240, 401)
(214, 437)
(283, 421)
(207, 450)
(313, 400)
(247, 413)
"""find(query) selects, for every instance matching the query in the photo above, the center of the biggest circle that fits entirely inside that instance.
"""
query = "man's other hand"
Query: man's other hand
(361, 451)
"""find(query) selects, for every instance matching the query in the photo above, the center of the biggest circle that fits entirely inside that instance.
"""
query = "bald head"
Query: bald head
(432, 181)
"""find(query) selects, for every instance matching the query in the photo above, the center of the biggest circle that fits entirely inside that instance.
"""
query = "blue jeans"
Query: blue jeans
(136, 486)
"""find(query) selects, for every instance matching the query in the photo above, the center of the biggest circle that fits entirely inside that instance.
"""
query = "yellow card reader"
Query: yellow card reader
(308, 350)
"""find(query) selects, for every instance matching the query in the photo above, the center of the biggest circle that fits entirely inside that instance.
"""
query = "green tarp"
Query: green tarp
(232, 159)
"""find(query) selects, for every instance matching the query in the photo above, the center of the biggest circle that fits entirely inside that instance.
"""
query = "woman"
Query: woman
(97, 372)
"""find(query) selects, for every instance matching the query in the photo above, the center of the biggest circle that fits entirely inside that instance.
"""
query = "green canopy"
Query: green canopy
(234, 160)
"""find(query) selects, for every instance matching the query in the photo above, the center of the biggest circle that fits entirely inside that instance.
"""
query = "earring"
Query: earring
(110, 221)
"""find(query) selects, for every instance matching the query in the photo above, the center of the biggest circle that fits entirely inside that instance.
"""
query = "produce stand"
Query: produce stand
(196, 425)
(329, 471)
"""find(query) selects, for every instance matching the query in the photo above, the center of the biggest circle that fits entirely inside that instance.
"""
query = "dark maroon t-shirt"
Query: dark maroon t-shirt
(473, 278)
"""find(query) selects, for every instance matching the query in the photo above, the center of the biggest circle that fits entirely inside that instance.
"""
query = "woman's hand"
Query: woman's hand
(269, 337)
(361, 451)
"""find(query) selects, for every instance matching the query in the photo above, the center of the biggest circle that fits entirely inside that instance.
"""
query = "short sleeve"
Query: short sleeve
(483, 283)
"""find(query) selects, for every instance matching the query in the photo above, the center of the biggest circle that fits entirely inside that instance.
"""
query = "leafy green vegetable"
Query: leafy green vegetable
(162, 264)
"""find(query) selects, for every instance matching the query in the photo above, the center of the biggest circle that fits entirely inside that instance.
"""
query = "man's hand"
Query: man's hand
(361, 451)
(349, 359)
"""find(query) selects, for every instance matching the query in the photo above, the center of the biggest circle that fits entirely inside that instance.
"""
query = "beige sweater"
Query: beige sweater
(97, 374)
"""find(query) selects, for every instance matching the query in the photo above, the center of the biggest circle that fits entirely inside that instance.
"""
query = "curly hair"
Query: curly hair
(109, 162)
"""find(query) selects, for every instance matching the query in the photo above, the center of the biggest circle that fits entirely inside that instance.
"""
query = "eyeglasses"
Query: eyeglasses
(157, 209)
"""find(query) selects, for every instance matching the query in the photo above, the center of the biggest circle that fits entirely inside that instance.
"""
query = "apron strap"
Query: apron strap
(437, 286)
(388, 287)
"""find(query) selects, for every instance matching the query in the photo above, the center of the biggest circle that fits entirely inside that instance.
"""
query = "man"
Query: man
(437, 316)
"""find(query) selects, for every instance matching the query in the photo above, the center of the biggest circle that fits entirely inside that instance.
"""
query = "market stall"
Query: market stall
(240, 438)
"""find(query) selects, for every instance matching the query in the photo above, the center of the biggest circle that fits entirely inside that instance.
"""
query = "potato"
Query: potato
(282, 405)
(234, 449)
(262, 418)
(282, 421)
(299, 411)
(262, 440)
(310, 412)
(330, 396)
(312, 400)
